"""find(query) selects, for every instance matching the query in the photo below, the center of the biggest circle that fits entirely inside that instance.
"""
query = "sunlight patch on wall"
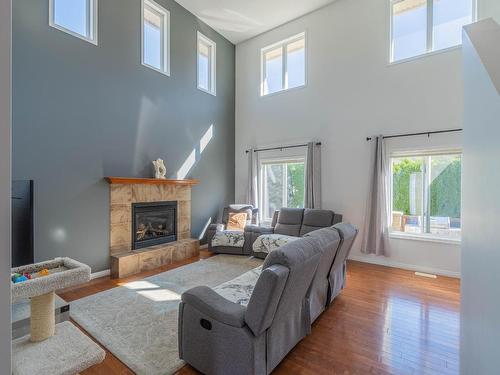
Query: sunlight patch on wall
(194, 156)
(207, 137)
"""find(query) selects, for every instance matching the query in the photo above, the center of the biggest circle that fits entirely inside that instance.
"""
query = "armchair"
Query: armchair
(235, 240)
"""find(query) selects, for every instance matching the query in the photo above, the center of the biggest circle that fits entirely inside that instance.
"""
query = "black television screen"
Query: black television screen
(22, 222)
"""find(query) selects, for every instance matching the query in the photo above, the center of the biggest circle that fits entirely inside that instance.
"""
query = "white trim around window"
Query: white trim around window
(164, 15)
(92, 22)
(211, 47)
(283, 46)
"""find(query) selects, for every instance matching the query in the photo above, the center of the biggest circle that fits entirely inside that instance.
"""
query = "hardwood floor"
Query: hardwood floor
(386, 321)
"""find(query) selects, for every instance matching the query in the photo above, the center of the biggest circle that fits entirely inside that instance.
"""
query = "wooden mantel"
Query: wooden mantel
(149, 181)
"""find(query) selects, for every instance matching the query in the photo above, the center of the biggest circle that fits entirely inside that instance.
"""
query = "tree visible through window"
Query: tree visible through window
(426, 194)
(283, 185)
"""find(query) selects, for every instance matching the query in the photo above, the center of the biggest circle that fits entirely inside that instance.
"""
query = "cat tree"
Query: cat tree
(60, 349)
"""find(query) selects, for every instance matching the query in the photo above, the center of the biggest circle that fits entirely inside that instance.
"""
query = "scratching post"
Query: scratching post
(51, 348)
(43, 319)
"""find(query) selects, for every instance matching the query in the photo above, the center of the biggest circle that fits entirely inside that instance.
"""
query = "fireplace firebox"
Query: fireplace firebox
(153, 223)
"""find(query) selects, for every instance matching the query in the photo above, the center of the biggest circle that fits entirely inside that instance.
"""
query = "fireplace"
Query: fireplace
(153, 223)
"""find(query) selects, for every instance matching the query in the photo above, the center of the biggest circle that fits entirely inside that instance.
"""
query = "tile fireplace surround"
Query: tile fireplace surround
(124, 192)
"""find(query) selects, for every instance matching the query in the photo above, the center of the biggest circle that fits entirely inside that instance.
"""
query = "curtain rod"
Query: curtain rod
(414, 134)
(281, 148)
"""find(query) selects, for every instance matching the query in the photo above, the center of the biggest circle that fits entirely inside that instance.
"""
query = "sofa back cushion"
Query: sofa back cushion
(315, 219)
(289, 221)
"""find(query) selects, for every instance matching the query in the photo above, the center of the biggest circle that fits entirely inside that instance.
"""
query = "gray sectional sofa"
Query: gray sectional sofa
(286, 223)
(249, 324)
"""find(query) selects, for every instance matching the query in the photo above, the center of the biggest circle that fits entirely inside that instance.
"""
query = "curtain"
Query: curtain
(313, 176)
(376, 220)
(252, 187)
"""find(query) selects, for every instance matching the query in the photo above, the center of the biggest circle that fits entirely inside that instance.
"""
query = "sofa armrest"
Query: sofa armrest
(211, 230)
(212, 304)
(251, 234)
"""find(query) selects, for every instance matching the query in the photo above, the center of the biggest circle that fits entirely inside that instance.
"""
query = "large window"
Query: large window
(155, 37)
(283, 65)
(75, 17)
(282, 185)
(426, 194)
(423, 26)
(206, 64)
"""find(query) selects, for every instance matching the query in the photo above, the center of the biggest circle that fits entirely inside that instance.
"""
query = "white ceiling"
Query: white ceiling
(239, 20)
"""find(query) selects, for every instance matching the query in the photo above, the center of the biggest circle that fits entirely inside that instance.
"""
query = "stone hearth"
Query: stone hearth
(126, 191)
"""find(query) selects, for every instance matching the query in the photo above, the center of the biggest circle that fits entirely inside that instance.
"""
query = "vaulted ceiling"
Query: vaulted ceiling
(239, 20)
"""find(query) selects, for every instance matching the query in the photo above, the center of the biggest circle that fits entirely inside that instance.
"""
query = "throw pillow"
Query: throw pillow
(237, 221)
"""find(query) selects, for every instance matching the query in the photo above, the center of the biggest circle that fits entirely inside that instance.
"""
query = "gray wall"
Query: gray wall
(82, 112)
(5, 56)
(480, 306)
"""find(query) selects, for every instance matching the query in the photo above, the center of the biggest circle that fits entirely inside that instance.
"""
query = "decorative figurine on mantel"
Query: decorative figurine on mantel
(160, 170)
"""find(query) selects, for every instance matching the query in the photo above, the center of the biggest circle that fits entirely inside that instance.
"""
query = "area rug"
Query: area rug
(137, 322)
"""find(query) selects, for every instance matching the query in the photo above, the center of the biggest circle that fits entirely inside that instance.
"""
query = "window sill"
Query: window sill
(424, 237)
(423, 55)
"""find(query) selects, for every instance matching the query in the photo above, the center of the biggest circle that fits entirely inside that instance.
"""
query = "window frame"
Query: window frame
(93, 22)
(430, 32)
(283, 44)
(424, 236)
(276, 160)
(165, 69)
(212, 71)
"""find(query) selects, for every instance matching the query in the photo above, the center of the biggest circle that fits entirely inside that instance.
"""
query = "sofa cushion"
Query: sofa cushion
(266, 243)
(237, 208)
(289, 221)
(237, 221)
(315, 219)
(228, 238)
(240, 289)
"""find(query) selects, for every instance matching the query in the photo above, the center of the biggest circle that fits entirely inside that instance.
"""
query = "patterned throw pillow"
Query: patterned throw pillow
(237, 221)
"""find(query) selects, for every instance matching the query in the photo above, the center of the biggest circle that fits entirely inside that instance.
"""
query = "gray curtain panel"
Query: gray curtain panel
(313, 176)
(252, 187)
(376, 221)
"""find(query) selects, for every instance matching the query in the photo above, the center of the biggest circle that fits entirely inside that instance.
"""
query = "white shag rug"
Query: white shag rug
(137, 322)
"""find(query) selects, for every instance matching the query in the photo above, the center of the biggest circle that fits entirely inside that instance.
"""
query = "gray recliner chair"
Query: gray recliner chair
(222, 225)
(217, 336)
(294, 222)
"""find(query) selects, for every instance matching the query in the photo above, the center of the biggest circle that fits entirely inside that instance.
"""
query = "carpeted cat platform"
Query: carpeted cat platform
(68, 352)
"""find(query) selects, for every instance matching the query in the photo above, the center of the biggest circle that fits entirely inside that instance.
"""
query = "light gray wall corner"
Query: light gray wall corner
(480, 285)
(5, 189)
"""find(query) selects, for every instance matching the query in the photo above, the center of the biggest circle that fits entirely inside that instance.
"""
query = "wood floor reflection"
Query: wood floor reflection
(386, 321)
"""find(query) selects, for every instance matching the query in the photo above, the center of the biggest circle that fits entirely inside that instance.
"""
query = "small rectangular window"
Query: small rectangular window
(423, 26)
(284, 65)
(155, 37)
(206, 64)
(426, 194)
(75, 17)
(283, 185)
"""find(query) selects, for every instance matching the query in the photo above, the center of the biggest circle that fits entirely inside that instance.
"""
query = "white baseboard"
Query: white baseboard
(96, 275)
(384, 261)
